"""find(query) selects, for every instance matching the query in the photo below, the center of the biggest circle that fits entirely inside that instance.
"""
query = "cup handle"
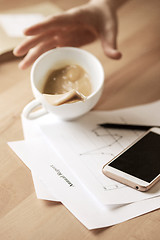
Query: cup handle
(27, 111)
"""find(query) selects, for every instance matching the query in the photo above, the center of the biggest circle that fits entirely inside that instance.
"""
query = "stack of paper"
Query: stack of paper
(66, 160)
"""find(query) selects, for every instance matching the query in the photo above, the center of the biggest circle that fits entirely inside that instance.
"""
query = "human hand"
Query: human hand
(75, 27)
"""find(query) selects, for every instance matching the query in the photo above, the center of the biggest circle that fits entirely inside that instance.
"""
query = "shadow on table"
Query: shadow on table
(51, 203)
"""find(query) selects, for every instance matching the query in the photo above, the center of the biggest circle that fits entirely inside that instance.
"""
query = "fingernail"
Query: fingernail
(15, 51)
(21, 65)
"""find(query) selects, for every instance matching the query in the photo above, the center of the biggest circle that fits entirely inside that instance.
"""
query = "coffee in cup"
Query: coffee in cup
(57, 59)
(64, 80)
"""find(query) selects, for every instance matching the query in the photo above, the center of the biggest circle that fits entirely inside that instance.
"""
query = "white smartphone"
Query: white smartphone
(138, 166)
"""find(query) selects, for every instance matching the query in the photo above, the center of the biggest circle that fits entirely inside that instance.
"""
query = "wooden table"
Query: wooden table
(131, 81)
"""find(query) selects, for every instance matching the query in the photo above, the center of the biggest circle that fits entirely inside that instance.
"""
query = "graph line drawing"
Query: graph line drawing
(109, 139)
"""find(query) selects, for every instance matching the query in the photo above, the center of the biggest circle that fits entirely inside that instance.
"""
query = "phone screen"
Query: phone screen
(142, 160)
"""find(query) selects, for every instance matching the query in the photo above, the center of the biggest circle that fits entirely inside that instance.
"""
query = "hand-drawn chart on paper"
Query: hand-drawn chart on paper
(111, 139)
(104, 134)
(86, 148)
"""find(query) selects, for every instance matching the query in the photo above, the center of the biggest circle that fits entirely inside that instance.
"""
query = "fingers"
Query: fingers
(73, 37)
(34, 53)
(55, 22)
(68, 29)
(45, 33)
(25, 46)
(109, 40)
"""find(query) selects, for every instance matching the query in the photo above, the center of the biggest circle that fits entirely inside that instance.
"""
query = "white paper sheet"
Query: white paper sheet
(61, 183)
(41, 189)
(31, 131)
(14, 24)
(86, 148)
(135, 115)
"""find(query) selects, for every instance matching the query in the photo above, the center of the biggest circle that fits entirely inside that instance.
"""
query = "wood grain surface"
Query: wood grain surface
(133, 80)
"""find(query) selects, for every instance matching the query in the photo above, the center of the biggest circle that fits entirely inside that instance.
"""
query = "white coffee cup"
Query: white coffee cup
(54, 59)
